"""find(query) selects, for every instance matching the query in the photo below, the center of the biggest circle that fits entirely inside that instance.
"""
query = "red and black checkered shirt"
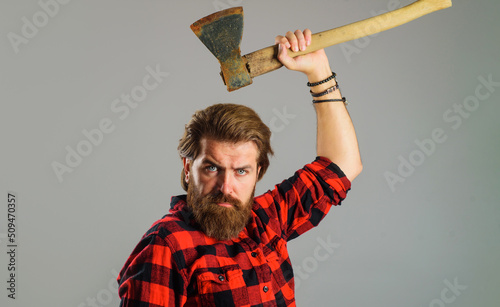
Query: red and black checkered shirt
(176, 264)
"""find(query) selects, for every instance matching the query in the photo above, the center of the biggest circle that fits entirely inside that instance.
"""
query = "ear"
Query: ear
(187, 168)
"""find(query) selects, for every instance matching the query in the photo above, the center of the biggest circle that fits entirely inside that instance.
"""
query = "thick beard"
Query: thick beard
(221, 223)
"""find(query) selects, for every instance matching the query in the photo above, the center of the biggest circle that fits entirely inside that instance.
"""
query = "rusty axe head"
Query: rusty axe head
(221, 33)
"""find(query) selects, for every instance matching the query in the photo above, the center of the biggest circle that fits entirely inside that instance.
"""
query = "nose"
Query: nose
(226, 183)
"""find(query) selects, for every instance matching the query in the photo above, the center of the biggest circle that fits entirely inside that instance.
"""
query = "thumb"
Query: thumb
(284, 58)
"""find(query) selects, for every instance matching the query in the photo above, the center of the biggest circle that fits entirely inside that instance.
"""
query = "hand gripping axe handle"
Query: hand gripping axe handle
(221, 33)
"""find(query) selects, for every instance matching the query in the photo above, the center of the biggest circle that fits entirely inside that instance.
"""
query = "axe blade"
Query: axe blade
(221, 33)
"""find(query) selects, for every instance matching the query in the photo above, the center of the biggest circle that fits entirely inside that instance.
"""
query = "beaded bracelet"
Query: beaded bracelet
(328, 91)
(322, 81)
(331, 100)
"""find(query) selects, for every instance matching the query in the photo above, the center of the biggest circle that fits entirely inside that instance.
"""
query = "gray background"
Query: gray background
(399, 244)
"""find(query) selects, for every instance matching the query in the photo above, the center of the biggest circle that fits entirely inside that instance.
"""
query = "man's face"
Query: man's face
(221, 186)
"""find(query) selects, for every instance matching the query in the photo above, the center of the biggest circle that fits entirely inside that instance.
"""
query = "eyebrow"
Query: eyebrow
(208, 161)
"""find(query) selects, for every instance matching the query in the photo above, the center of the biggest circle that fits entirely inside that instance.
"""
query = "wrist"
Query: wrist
(319, 73)
(326, 82)
(325, 90)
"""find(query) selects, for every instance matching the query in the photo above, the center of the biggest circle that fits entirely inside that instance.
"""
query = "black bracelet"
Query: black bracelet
(328, 91)
(322, 81)
(331, 100)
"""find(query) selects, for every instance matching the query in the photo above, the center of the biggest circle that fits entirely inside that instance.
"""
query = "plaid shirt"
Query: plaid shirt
(176, 264)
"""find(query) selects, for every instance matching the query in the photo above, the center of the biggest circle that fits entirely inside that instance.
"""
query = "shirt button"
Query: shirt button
(253, 254)
(221, 277)
(265, 289)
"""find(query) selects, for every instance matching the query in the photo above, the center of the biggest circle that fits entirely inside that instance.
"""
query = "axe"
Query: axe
(221, 33)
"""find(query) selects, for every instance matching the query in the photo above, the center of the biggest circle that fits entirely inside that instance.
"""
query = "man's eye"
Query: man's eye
(211, 168)
(241, 172)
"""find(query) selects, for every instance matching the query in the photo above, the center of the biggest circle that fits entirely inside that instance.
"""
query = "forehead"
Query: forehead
(228, 153)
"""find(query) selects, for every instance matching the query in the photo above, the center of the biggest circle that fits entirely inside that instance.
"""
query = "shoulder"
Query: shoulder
(173, 231)
(176, 222)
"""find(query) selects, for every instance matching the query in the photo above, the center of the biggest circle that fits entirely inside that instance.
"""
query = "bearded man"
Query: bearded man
(221, 246)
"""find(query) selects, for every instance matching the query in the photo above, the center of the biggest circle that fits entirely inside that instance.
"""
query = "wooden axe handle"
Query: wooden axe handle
(264, 60)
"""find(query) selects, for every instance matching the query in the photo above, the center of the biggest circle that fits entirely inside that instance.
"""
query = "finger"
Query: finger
(292, 39)
(308, 36)
(301, 41)
(280, 39)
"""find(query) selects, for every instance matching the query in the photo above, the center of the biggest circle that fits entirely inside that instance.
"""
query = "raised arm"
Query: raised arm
(336, 138)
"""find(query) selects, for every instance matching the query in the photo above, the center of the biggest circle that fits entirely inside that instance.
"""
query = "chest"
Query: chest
(243, 272)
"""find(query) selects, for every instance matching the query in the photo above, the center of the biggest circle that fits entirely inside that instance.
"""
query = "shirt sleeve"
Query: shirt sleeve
(150, 276)
(302, 201)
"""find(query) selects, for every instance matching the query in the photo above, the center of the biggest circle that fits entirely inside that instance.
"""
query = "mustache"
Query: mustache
(222, 198)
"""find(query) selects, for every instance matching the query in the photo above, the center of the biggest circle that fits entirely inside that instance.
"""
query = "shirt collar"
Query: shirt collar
(178, 205)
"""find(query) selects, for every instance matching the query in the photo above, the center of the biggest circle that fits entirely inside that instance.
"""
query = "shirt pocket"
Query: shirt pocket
(223, 286)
